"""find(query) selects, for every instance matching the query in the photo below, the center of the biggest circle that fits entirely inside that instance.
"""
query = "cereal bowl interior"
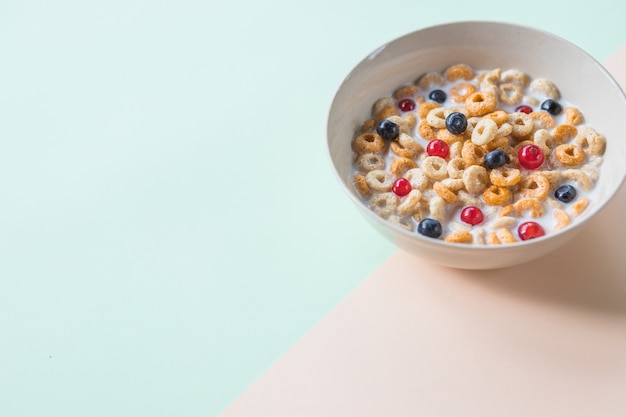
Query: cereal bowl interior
(510, 50)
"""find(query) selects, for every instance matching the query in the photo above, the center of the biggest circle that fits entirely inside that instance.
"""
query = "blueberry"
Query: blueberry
(438, 95)
(456, 123)
(495, 159)
(551, 107)
(387, 129)
(429, 228)
(565, 193)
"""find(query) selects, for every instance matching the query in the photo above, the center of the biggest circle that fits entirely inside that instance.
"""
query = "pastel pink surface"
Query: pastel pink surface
(542, 339)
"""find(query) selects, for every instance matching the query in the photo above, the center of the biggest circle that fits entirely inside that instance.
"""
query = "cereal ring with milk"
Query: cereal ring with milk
(379, 180)
(543, 119)
(425, 108)
(505, 176)
(461, 91)
(459, 71)
(435, 167)
(592, 172)
(504, 221)
(521, 123)
(361, 185)
(386, 113)
(496, 196)
(590, 141)
(554, 177)
(460, 236)
(369, 142)
(510, 94)
(405, 91)
(449, 137)
(426, 131)
(528, 204)
(371, 161)
(573, 116)
(569, 154)
(455, 150)
(541, 85)
(411, 203)
(480, 103)
(401, 222)
(381, 104)
(505, 235)
(516, 77)
(500, 142)
(544, 140)
(578, 175)
(368, 125)
(534, 186)
(489, 81)
(475, 179)
(384, 204)
(561, 219)
(484, 132)
(498, 116)
(454, 184)
(401, 165)
(445, 193)
(417, 178)
(429, 79)
(455, 167)
(579, 206)
(437, 118)
(406, 146)
(564, 133)
(472, 154)
(405, 124)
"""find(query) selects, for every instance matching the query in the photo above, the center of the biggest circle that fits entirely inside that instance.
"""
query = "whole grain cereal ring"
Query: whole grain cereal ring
(380, 104)
(369, 142)
(569, 154)
(504, 130)
(454, 184)
(592, 172)
(505, 176)
(417, 178)
(498, 116)
(534, 186)
(459, 71)
(386, 113)
(578, 175)
(368, 125)
(384, 204)
(492, 239)
(544, 140)
(404, 124)
(579, 206)
(561, 219)
(437, 208)
(543, 119)
(426, 131)
(478, 235)
(521, 123)
(406, 146)
(435, 167)
(496, 196)
(361, 185)
(461, 91)
(510, 93)
(427, 80)
(480, 103)
(475, 179)
(410, 203)
(405, 91)
(472, 154)
(573, 116)
(484, 132)
(531, 101)
(460, 236)
(449, 137)
(552, 203)
(425, 108)
(467, 199)
(489, 81)
(455, 150)
(401, 222)
(455, 167)
(590, 141)
(500, 142)
(505, 235)
(506, 210)
(504, 221)
(437, 118)
(553, 176)
(541, 85)
(564, 133)
(371, 161)
(410, 120)
(516, 77)
(528, 204)
(401, 165)
(379, 180)
(471, 124)
(445, 193)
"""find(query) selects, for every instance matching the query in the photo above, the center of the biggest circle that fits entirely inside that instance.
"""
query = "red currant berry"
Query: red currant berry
(437, 147)
(401, 187)
(530, 156)
(524, 109)
(530, 230)
(406, 105)
(472, 215)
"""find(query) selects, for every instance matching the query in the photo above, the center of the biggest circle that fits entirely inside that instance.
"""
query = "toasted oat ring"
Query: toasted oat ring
(506, 210)
(590, 141)
(386, 113)
(401, 165)
(498, 116)
(379, 180)
(437, 118)
(455, 150)
(579, 206)
(505, 177)
(384, 204)
(546, 87)
(427, 80)
(445, 192)
(461, 91)
(455, 168)
(426, 131)
(553, 176)
(522, 124)
(493, 239)
(573, 116)
(425, 108)
(528, 204)
(475, 178)
(505, 235)
(484, 132)
(578, 175)
(500, 142)
(409, 120)
(371, 161)
(437, 207)
(405, 91)
(544, 140)
(417, 178)
(435, 167)
(449, 137)
(535, 186)
(480, 103)
(510, 94)
(564, 133)
(410, 203)
(516, 77)
(543, 118)
(406, 146)
(380, 104)
(459, 71)
(369, 142)
(503, 221)
(569, 154)
(368, 125)
(496, 196)
(404, 125)
(472, 154)
(361, 185)
(561, 218)
(460, 236)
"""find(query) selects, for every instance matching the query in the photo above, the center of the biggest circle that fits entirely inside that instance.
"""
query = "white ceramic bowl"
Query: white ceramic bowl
(482, 45)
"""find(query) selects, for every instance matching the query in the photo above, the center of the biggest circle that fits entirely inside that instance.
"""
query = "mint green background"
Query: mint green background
(169, 225)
